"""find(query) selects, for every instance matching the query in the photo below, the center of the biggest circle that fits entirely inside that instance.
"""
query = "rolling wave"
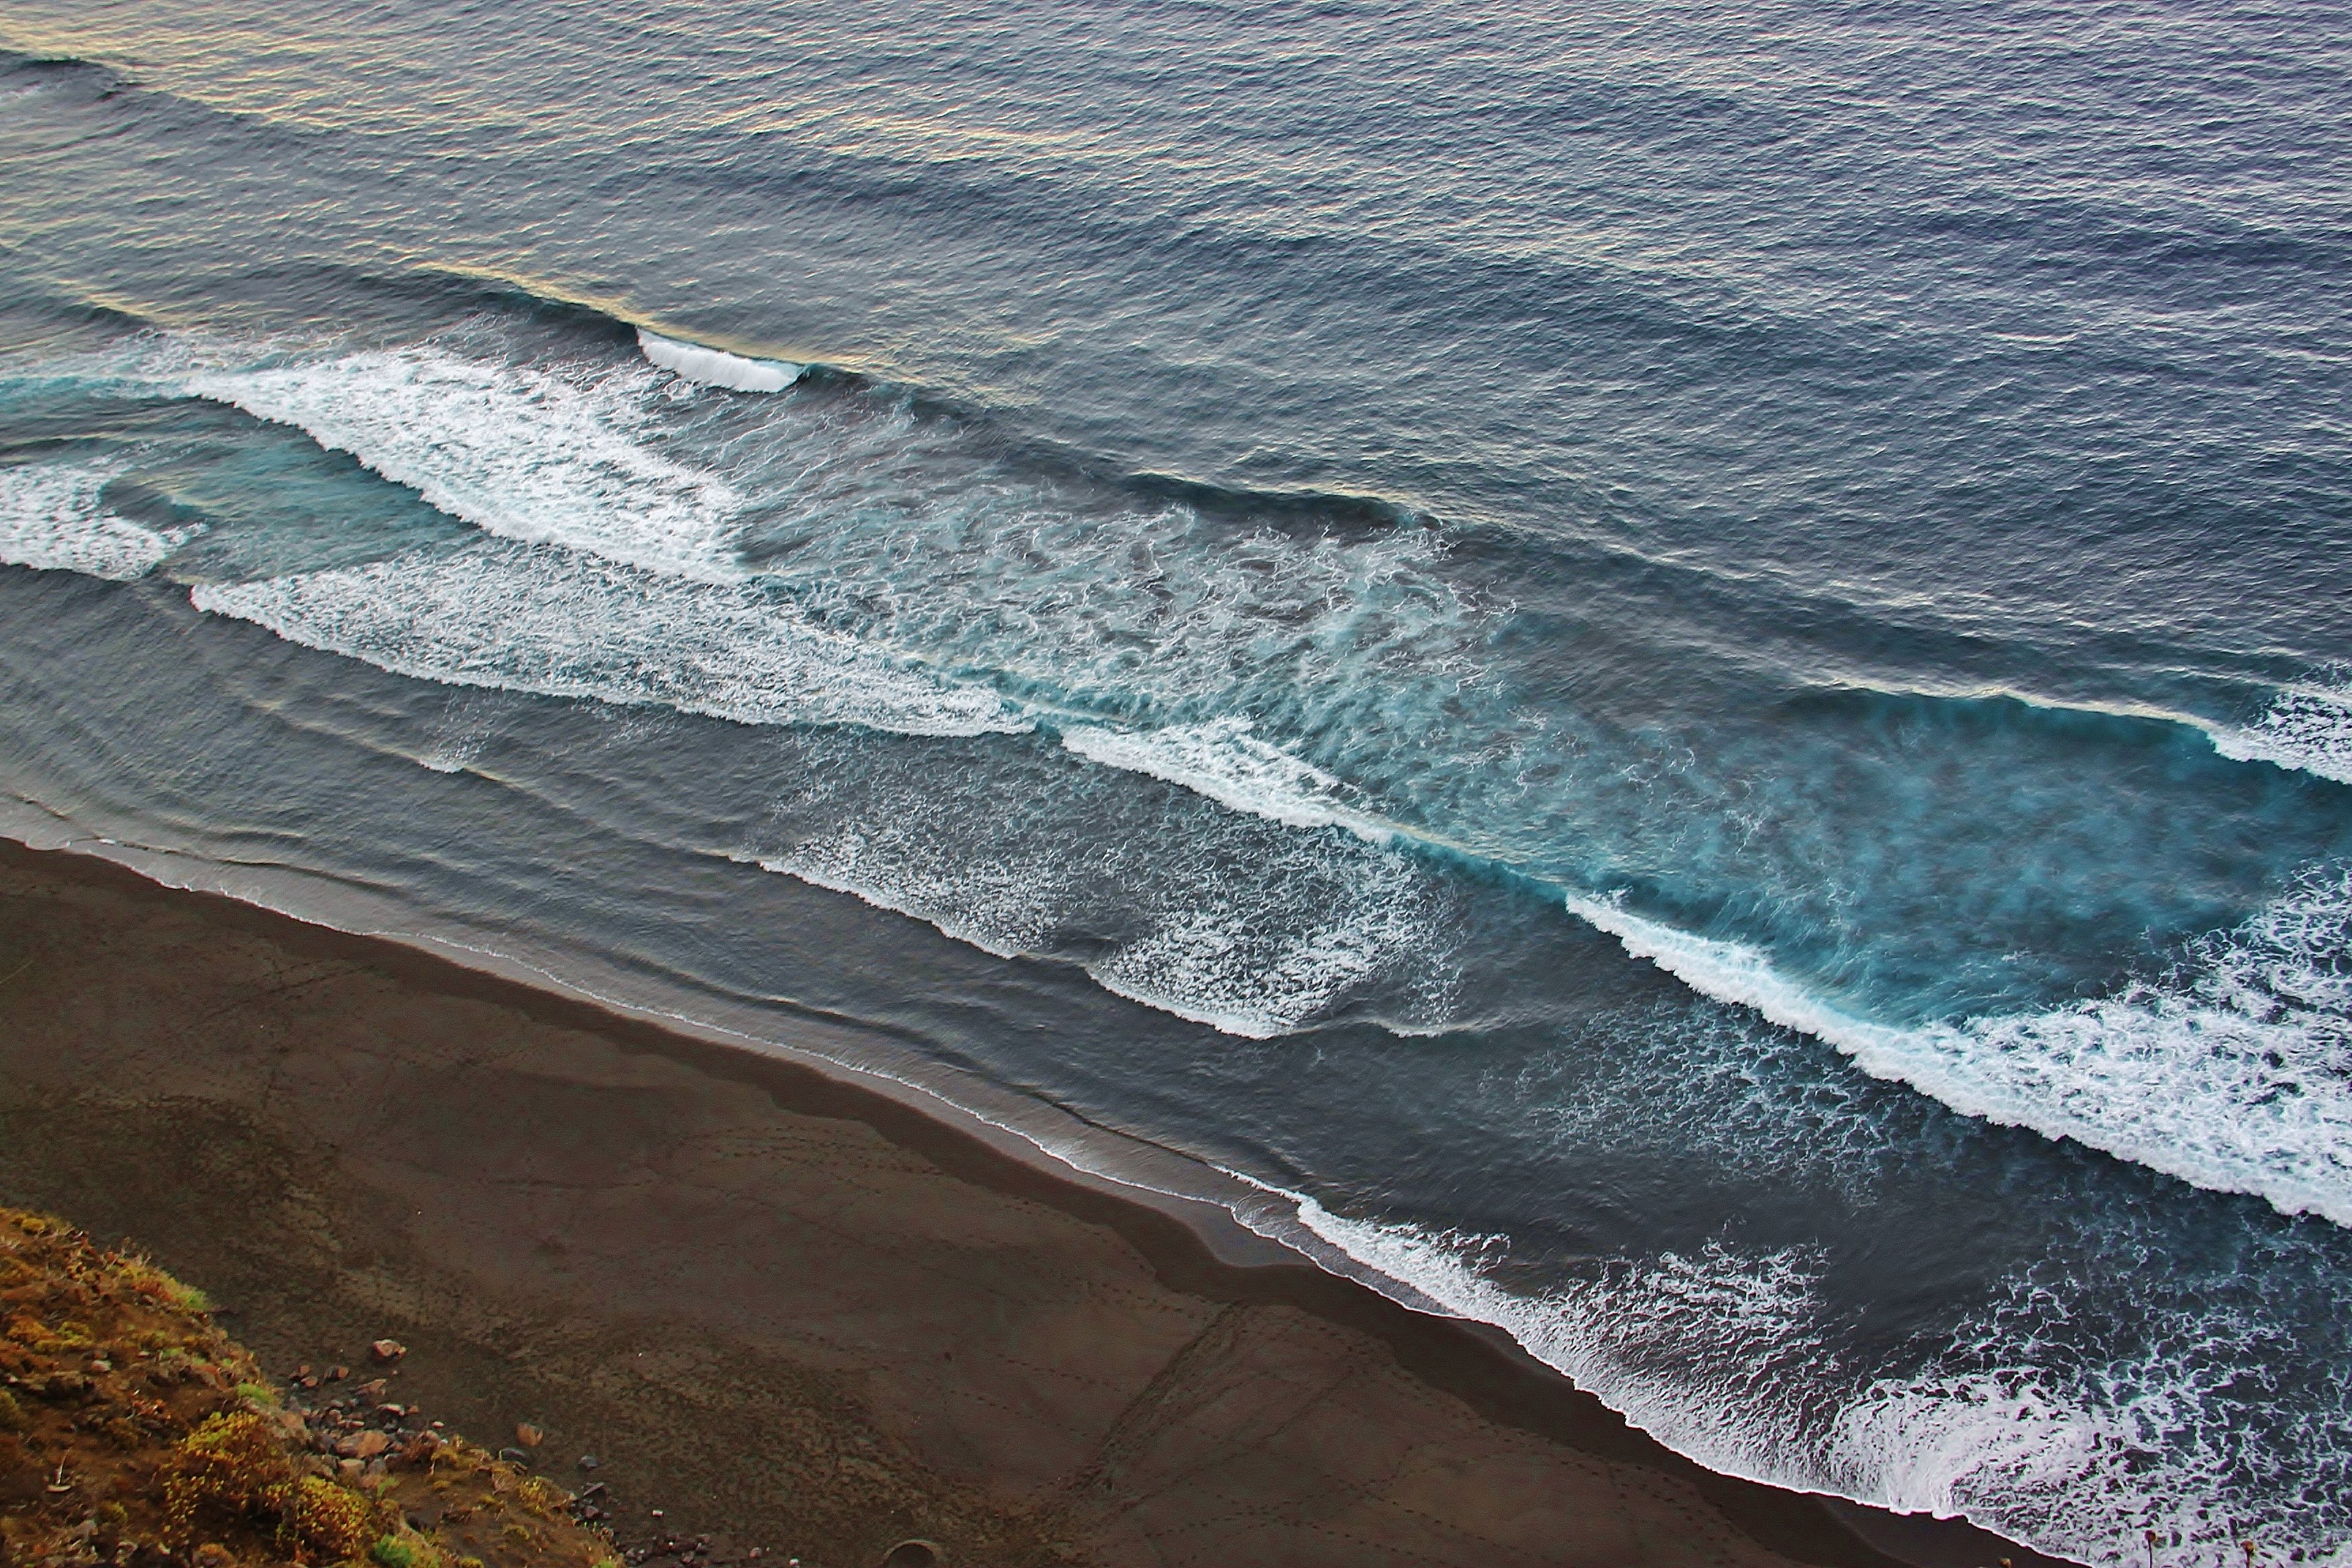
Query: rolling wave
(523, 453)
(716, 367)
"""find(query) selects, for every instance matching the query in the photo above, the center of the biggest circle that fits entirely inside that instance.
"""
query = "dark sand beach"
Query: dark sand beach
(785, 1310)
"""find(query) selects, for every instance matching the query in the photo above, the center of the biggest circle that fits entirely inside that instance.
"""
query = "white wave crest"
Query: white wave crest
(716, 367)
(2234, 1075)
(522, 453)
(52, 519)
(543, 619)
(2308, 727)
(1223, 760)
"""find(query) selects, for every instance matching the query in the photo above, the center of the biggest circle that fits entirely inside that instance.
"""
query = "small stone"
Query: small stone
(101, 1365)
(337, 1374)
(529, 1436)
(387, 1351)
(368, 1445)
(350, 1467)
(587, 1461)
(373, 1389)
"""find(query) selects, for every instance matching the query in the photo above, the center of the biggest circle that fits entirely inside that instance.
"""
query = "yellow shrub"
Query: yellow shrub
(232, 1465)
(333, 1520)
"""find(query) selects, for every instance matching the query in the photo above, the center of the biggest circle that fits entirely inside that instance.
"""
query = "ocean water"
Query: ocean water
(1671, 675)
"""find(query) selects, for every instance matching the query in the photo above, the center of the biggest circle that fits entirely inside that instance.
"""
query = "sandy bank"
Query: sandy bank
(780, 1308)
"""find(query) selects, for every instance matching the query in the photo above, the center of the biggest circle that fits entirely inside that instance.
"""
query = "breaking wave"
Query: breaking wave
(1224, 762)
(2306, 726)
(840, 560)
(2232, 1072)
(522, 453)
(716, 367)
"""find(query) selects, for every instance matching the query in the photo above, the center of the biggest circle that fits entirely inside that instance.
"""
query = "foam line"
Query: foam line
(2229, 1077)
(1248, 930)
(543, 619)
(716, 367)
(53, 519)
(1223, 760)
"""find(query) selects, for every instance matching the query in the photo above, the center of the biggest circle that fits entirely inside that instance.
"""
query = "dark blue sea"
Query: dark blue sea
(1670, 675)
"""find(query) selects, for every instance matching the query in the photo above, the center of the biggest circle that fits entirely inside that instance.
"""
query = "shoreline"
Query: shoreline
(1211, 1269)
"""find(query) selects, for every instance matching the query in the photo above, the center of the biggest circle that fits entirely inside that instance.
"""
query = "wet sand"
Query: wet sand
(784, 1309)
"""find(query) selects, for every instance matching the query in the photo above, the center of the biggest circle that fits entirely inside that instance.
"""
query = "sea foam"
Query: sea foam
(544, 619)
(53, 519)
(1724, 1356)
(1253, 932)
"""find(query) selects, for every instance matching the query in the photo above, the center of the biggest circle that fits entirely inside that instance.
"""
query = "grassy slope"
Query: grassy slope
(134, 1431)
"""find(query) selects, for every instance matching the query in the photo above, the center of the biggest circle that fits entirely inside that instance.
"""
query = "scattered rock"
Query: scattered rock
(529, 1436)
(387, 1351)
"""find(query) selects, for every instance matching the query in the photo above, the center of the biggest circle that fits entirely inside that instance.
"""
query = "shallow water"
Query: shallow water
(1672, 670)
